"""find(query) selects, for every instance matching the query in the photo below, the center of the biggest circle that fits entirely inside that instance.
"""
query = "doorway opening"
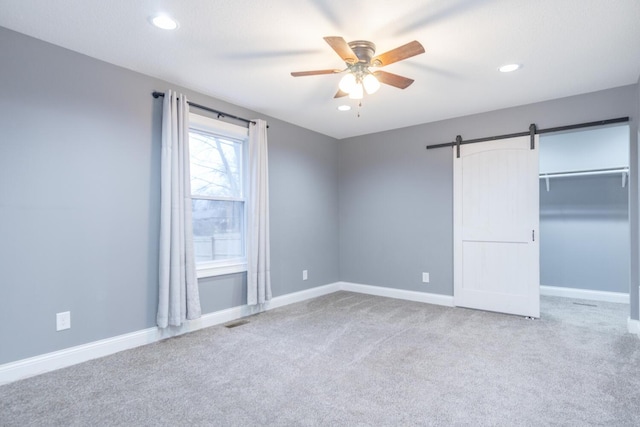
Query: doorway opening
(584, 219)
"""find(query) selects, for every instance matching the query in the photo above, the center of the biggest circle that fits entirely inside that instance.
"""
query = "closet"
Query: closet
(584, 212)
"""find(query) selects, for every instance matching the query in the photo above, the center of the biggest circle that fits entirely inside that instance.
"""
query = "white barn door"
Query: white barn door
(496, 217)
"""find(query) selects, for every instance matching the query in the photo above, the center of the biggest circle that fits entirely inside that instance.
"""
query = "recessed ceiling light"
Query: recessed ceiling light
(509, 68)
(164, 21)
(344, 108)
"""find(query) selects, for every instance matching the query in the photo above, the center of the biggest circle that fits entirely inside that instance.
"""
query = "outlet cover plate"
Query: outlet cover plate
(63, 321)
(425, 277)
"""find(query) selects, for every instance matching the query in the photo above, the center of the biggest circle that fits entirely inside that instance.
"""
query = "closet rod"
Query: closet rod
(624, 171)
(585, 172)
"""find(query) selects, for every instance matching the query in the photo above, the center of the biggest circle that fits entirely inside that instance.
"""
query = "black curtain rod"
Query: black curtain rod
(211, 110)
(538, 131)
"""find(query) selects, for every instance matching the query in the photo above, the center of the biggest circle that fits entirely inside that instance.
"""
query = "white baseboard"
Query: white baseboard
(446, 300)
(63, 358)
(32, 366)
(302, 295)
(555, 291)
(633, 326)
(25, 368)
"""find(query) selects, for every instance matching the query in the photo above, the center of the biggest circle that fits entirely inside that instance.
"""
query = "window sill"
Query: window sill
(205, 270)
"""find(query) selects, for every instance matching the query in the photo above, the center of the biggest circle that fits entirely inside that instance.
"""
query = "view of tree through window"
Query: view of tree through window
(217, 196)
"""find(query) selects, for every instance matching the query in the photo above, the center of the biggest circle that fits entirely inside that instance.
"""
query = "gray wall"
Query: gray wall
(634, 207)
(396, 196)
(79, 199)
(584, 233)
(602, 147)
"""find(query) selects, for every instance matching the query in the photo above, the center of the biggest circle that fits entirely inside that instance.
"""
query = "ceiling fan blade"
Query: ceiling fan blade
(398, 54)
(393, 79)
(340, 94)
(314, 72)
(342, 49)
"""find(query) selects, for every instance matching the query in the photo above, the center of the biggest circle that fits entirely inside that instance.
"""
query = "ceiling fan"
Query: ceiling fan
(358, 56)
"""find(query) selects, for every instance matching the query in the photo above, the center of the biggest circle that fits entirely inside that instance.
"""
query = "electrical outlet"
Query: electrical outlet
(63, 321)
(425, 277)
(305, 275)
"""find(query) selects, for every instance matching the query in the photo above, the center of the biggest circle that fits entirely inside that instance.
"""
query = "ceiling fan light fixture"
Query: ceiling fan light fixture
(347, 83)
(371, 84)
(357, 92)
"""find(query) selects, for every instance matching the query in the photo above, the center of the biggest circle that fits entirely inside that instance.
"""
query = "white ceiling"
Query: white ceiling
(242, 51)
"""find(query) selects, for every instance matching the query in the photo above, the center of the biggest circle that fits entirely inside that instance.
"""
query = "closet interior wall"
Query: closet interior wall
(584, 216)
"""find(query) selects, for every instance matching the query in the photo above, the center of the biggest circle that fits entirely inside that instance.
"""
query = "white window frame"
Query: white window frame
(205, 124)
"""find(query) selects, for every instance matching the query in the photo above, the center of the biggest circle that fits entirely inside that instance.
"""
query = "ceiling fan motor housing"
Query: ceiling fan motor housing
(364, 50)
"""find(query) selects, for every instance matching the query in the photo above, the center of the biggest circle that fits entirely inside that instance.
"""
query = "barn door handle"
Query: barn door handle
(533, 235)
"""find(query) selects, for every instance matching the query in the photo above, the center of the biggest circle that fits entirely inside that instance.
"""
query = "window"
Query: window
(217, 152)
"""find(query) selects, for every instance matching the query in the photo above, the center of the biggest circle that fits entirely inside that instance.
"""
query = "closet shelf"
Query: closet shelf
(611, 171)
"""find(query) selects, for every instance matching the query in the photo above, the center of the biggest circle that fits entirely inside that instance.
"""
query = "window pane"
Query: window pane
(218, 230)
(216, 165)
